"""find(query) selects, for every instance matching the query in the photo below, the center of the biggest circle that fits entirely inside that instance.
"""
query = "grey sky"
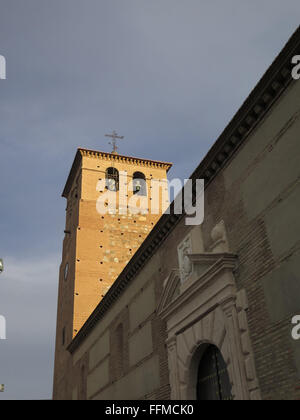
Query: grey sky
(166, 74)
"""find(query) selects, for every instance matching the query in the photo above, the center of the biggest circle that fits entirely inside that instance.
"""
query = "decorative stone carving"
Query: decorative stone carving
(219, 237)
(185, 266)
(207, 309)
(171, 289)
(192, 243)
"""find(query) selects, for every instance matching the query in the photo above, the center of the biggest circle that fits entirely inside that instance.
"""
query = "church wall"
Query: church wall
(257, 196)
(140, 344)
(99, 350)
(133, 290)
(137, 384)
(144, 370)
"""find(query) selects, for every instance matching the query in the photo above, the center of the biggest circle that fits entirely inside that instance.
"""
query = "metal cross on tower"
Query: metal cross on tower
(114, 136)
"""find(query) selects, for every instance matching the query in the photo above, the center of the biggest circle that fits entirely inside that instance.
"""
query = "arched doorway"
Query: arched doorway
(213, 380)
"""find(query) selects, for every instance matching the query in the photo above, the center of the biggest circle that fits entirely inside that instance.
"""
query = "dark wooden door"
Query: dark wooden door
(213, 380)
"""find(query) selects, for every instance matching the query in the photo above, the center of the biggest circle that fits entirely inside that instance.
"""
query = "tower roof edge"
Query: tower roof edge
(113, 156)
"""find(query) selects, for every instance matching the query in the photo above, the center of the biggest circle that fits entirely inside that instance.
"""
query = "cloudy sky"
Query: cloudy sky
(166, 74)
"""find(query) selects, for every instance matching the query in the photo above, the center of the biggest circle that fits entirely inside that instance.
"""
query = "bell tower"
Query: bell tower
(98, 245)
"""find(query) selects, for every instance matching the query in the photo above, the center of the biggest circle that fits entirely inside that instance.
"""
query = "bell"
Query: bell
(138, 186)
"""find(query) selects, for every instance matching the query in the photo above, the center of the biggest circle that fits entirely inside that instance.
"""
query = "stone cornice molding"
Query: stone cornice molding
(219, 264)
(211, 258)
(125, 159)
(171, 284)
(274, 82)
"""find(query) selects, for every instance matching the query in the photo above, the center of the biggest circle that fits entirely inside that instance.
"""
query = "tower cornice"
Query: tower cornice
(110, 157)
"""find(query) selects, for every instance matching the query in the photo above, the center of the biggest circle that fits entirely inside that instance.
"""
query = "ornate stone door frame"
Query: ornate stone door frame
(207, 309)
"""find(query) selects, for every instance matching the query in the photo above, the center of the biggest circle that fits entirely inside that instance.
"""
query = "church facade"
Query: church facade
(203, 312)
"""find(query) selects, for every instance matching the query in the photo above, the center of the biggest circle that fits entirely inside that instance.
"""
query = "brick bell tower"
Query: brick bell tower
(97, 246)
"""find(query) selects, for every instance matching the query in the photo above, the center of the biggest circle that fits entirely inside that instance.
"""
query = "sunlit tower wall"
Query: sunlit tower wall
(96, 246)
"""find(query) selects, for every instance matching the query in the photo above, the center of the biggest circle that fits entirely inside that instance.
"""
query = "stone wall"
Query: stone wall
(257, 197)
(142, 371)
